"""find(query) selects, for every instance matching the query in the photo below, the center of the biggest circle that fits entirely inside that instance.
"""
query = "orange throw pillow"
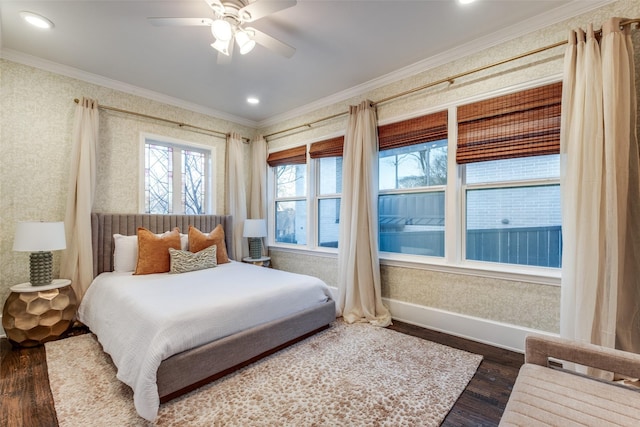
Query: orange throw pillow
(153, 251)
(199, 241)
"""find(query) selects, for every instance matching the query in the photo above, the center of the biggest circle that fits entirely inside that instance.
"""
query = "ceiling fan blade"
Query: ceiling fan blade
(261, 8)
(216, 5)
(271, 43)
(180, 22)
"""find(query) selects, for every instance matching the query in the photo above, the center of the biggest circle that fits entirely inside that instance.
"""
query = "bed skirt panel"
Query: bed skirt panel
(190, 369)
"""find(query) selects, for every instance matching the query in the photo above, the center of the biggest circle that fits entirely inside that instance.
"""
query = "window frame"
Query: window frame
(304, 198)
(178, 145)
(522, 183)
(273, 200)
(537, 274)
(318, 196)
(441, 188)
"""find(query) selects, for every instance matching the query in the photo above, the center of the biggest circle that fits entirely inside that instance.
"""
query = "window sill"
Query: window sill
(328, 253)
(539, 275)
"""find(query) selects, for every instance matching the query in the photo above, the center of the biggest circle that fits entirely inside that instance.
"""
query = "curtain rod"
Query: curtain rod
(449, 79)
(179, 124)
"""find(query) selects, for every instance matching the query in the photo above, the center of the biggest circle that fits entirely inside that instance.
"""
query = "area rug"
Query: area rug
(347, 375)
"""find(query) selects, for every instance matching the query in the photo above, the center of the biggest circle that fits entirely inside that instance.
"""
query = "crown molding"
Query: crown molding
(54, 67)
(562, 13)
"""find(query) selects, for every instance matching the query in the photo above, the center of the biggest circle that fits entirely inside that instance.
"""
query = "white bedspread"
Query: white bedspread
(142, 320)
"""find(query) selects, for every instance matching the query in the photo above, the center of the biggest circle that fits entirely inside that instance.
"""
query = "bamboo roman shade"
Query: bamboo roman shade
(328, 148)
(520, 124)
(432, 127)
(292, 156)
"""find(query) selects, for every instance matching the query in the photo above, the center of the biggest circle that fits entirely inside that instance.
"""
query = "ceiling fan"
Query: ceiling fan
(228, 25)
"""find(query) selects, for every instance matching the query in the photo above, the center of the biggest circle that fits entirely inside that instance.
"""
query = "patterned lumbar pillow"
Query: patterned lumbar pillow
(183, 261)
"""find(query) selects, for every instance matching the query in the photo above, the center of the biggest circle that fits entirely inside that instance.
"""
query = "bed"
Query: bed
(214, 348)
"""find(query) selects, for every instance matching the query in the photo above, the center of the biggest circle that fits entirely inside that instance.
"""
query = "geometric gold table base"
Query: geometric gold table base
(32, 318)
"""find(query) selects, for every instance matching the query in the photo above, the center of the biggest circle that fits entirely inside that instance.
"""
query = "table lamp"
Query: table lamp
(39, 238)
(255, 230)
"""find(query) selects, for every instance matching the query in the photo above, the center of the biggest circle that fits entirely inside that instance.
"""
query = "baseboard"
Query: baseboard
(503, 335)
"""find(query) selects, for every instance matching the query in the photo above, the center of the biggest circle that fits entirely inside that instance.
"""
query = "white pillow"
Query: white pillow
(184, 242)
(125, 254)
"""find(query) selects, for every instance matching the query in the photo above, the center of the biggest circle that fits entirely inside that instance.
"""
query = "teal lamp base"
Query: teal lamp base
(255, 247)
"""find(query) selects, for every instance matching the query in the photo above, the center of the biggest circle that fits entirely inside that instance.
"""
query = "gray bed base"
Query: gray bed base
(193, 368)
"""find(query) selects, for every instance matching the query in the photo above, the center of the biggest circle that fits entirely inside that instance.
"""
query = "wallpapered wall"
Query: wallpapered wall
(519, 303)
(37, 113)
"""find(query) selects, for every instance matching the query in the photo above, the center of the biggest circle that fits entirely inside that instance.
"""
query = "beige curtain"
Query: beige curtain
(77, 259)
(258, 200)
(360, 298)
(600, 191)
(236, 194)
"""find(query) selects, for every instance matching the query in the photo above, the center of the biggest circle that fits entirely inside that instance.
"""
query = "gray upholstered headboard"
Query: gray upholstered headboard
(105, 225)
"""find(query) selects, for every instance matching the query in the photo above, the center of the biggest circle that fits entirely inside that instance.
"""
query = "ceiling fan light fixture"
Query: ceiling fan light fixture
(221, 46)
(221, 30)
(245, 43)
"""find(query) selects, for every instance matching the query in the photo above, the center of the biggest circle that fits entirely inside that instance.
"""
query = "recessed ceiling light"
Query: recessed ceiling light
(465, 1)
(253, 100)
(36, 20)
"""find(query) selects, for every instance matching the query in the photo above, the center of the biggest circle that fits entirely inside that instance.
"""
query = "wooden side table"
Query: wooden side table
(264, 261)
(33, 315)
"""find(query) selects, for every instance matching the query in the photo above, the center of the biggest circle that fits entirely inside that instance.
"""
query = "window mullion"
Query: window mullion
(432, 189)
(176, 181)
(454, 218)
(271, 203)
(208, 185)
(289, 199)
(513, 184)
(312, 208)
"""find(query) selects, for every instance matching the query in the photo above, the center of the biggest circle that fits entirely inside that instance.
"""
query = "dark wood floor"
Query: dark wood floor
(484, 399)
(25, 398)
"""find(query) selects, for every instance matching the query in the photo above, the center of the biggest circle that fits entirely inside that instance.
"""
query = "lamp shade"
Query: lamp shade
(255, 228)
(39, 236)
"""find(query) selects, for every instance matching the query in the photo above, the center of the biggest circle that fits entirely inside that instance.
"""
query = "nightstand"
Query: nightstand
(33, 315)
(264, 261)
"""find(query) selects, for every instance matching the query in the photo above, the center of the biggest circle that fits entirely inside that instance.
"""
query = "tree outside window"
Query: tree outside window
(176, 178)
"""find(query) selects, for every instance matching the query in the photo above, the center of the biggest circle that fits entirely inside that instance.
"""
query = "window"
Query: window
(290, 171)
(514, 224)
(508, 148)
(501, 208)
(328, 158)
(412, 171)
(177, 177)
(330, 187)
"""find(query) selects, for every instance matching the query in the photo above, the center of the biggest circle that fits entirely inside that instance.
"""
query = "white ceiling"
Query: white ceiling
(340, 45)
